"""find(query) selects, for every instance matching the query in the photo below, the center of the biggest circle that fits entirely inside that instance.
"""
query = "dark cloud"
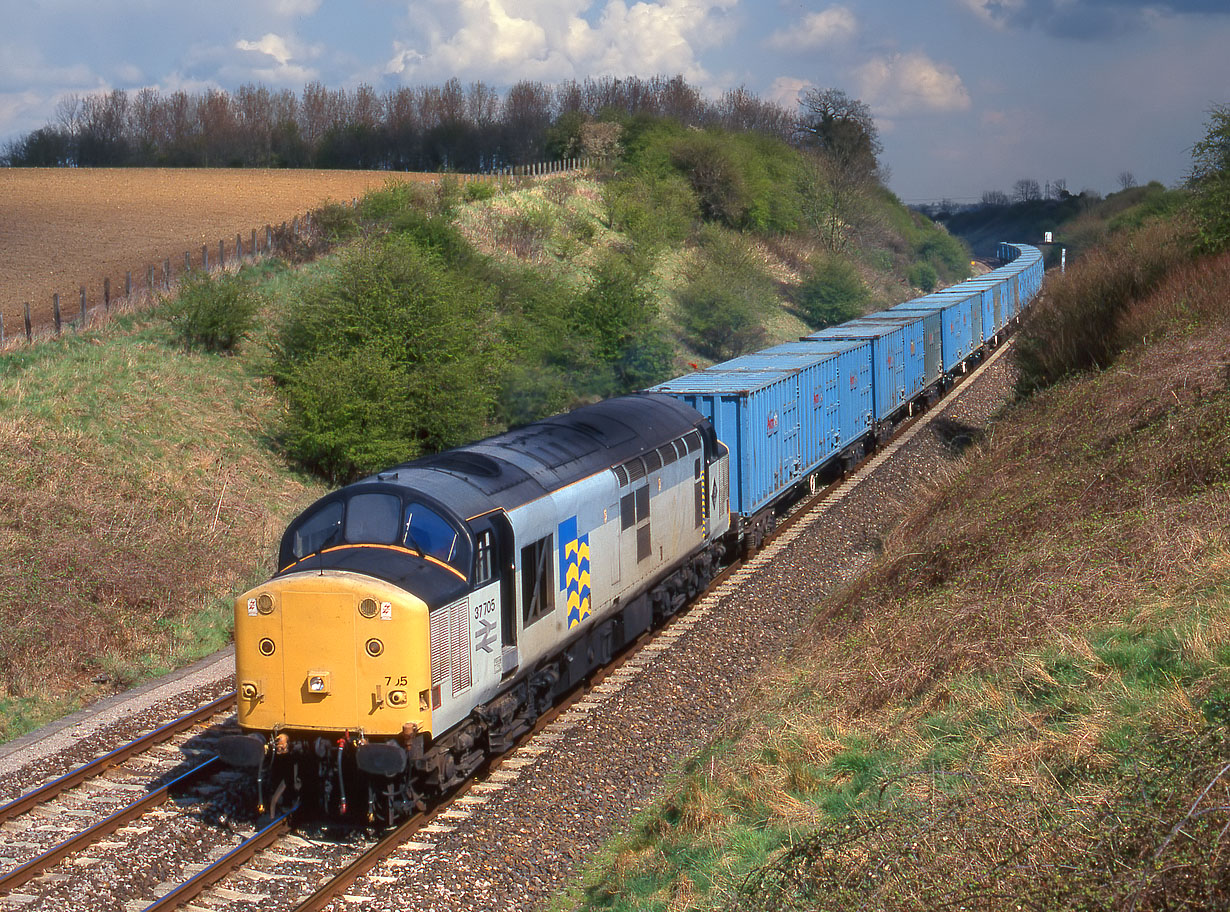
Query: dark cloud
(1094, 19)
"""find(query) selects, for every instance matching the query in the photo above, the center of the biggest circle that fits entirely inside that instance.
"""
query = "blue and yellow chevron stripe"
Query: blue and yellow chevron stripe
(574, 570)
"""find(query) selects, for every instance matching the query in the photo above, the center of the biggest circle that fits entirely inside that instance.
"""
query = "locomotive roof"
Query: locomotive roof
(524, 463)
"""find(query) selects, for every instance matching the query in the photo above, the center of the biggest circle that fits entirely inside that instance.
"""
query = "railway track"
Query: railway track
(277, 855)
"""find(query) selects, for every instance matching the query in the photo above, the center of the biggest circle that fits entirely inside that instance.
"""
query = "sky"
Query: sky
(968, 95)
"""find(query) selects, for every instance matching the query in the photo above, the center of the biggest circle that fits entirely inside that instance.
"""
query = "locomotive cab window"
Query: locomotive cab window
(319, 531)
(373, 519)
(427, 531)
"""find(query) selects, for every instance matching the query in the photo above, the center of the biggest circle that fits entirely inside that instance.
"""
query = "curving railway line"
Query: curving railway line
(146, 827)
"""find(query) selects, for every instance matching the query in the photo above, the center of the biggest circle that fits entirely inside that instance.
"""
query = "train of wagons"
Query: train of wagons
(423, 618)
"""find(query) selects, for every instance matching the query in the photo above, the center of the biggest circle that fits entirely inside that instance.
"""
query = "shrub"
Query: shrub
(833, 293)
(390, 357)
(619, 314)
(479, 190)
(335, 222)
(395, 197)
(726, 297)
(1210, 180)
(710, 165)
(654, 212)
(923, 277)
(213, 313)
(525, 231)
(1073, 325)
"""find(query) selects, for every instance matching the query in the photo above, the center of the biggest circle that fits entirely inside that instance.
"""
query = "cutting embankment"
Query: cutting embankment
(1025, 703)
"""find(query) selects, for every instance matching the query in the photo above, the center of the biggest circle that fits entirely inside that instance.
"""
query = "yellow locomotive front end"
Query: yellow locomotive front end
(333, 656)
(332, 652)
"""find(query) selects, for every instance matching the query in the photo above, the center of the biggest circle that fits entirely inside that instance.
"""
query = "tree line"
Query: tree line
(471, 128)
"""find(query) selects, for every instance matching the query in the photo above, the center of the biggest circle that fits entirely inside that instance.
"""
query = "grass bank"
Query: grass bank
(1023, 705)
(140, 494)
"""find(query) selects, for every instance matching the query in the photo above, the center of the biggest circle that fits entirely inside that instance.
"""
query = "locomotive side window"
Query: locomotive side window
(319, 531)
(428, 531)
(484, 558)
(373, 519)
(537, 580)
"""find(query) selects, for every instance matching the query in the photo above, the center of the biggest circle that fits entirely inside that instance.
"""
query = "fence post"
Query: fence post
(166, 274)
(221, 254)
(238, 248)
(29, 332)
(268, 238)
(106, 294)
(1, 327)
(55, 310)
(294, 226)
(254, 243)
(128, 284)
(187, 261)
(82, 307)
(149, 280)
(204, 258)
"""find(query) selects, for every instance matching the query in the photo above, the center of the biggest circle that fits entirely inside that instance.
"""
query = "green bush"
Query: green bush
(709, 163)
(390, 357)
(479, 190)
(211, 312)
(832, 293)
(726, 298)
(395, 197)
(335, 222)
(1210, 182)
(923, 276)
(619, 314)
(655, 212)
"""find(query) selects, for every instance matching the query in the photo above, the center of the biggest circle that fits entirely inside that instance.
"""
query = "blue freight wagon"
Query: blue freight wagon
(897, 359)
(926, 327)
(781, 423)
(956, 340)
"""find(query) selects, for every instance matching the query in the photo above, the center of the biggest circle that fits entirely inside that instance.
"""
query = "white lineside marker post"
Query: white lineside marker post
(1063, 260)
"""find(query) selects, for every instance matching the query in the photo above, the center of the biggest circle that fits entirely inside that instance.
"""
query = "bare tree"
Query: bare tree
(842, 129)
(1026, 190)
(995, 198)
(1127, 180)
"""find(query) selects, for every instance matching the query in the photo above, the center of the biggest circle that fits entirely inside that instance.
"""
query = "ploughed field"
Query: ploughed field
(61, 228)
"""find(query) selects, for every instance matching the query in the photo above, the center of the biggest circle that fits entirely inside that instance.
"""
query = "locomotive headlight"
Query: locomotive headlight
(318, 683)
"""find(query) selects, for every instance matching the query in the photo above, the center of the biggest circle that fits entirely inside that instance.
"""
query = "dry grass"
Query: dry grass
(138, 498)
(1025, 704)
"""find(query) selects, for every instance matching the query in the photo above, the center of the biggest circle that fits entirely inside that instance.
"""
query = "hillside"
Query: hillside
(1023, 704)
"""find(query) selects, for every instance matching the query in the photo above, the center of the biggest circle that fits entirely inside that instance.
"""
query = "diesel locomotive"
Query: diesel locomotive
(423, 618)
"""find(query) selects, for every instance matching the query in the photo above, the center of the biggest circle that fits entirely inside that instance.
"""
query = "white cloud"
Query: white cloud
(903, 84)
(827, 27)
(787, 90)
(506, 40)
(273, 45)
